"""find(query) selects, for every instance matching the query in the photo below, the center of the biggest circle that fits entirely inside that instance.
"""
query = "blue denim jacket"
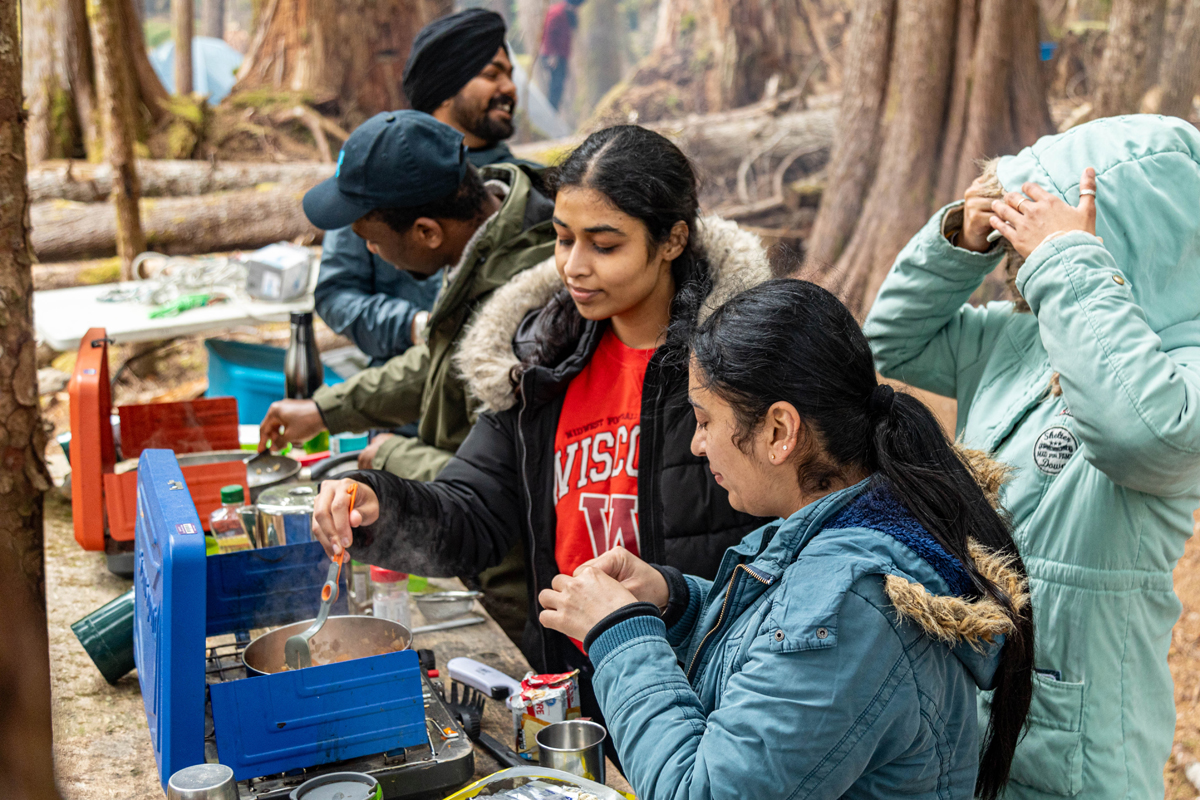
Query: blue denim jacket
(364, 297)
(800, 672)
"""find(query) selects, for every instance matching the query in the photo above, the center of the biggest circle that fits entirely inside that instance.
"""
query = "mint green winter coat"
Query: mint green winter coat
(1107, 473)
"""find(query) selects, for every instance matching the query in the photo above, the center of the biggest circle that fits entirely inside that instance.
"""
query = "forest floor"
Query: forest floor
(1185, 669)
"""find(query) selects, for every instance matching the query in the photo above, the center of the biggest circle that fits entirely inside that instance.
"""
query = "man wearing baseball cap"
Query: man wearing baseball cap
(404, 184)
(458, 71)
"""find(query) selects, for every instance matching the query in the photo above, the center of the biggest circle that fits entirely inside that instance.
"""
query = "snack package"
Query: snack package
(543, 700)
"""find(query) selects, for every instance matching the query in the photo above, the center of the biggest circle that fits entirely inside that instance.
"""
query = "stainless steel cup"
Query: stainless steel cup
(203, 782)
(575, 746)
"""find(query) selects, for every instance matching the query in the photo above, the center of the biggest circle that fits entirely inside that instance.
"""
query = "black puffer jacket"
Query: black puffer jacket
(500, 485)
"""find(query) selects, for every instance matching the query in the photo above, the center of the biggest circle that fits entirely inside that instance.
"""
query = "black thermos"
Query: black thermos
(302, 369)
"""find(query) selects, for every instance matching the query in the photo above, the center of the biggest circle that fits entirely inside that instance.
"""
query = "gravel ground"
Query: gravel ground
(99, 730)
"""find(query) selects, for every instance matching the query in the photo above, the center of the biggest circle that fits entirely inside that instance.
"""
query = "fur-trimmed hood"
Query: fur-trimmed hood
(927, 586)
(485, 357)
(954, 620)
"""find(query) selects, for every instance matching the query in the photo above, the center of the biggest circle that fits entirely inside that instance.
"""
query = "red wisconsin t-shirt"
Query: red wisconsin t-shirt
(596, 455)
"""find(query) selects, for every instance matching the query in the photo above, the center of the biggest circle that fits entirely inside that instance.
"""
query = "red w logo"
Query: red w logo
(611, 521)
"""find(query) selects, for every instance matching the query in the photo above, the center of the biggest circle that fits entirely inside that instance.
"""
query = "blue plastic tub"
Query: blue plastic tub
(251, 373)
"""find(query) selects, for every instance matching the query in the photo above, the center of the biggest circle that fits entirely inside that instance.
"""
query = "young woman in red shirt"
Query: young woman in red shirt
(584, 439)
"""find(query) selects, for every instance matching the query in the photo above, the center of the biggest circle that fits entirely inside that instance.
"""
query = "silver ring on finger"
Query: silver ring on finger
(1018, 205)
(1091, 192)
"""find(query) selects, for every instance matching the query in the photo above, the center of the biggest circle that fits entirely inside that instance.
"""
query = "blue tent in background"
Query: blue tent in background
(213, 66)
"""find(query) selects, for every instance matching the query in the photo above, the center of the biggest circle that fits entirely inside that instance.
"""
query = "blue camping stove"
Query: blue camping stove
(377, 715)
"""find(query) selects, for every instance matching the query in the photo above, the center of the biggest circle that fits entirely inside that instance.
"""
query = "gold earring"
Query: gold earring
(772, 456)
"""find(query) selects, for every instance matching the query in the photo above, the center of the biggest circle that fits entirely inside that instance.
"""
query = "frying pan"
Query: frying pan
(267, 470)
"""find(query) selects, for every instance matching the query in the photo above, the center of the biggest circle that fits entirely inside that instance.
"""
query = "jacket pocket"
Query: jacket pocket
(1050, 755)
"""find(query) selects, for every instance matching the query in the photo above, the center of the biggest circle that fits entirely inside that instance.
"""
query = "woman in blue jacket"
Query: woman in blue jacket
(839, 651)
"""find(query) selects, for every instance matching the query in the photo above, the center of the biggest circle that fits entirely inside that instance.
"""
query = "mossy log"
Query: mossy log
(85, 182)
(249, 218)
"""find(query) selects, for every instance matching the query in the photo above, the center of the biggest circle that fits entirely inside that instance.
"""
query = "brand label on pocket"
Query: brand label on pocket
(1053, 449)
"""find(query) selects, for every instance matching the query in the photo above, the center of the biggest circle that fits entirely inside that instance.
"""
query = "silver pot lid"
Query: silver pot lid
(290, 498)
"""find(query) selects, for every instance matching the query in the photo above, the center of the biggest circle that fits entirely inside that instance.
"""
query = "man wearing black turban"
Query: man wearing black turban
(459, 71)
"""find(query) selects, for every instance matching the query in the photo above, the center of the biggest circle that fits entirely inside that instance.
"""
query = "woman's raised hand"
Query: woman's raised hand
(333, 519)
(977, 208)
(1027, 221)
(642, 580)
(577, 602)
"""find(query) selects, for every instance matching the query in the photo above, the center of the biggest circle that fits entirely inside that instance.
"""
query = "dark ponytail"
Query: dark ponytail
(790, 340)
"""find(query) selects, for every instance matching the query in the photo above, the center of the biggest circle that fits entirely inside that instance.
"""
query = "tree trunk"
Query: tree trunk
(175, 225)
(599, 52)
(1181, 71)
(530, 14)
(989, 114)
(852, 164)
(58, 80)
(962, 83)
(26, 755)
(148, 89)
(898, 203)
(348, 56)
(183, 24)
(212, 18)
(116, 104)
(713, 55)
(1124, 68)
(83, 182)
(719, 144)
(1155, 43)
(1028, 85)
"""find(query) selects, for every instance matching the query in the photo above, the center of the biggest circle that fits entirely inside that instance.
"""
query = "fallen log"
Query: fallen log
(719, 143)
(84, 182)
(62, 230)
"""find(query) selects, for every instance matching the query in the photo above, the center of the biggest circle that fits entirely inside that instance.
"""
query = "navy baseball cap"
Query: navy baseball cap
(396, 159)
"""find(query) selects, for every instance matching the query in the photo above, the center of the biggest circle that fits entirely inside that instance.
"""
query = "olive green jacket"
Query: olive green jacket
(422, 384)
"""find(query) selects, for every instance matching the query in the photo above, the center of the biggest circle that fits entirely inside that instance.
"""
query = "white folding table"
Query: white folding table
(62, 316)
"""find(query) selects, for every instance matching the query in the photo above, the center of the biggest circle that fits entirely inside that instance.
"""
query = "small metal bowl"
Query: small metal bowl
(438, 606)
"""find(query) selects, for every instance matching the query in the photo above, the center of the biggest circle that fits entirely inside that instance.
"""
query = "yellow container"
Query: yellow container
(487, 787)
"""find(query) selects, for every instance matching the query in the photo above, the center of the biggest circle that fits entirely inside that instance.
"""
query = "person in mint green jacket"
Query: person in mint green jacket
(1089, 387)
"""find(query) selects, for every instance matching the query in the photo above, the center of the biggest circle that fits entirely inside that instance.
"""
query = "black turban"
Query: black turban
(448, 53)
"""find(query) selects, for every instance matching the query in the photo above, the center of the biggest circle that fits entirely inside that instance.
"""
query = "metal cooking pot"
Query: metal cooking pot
(283, 514)
(341, 638)
(269, 470)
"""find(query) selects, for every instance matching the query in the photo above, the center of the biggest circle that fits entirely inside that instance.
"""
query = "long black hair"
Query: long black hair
(647, 177)
(790, 340)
